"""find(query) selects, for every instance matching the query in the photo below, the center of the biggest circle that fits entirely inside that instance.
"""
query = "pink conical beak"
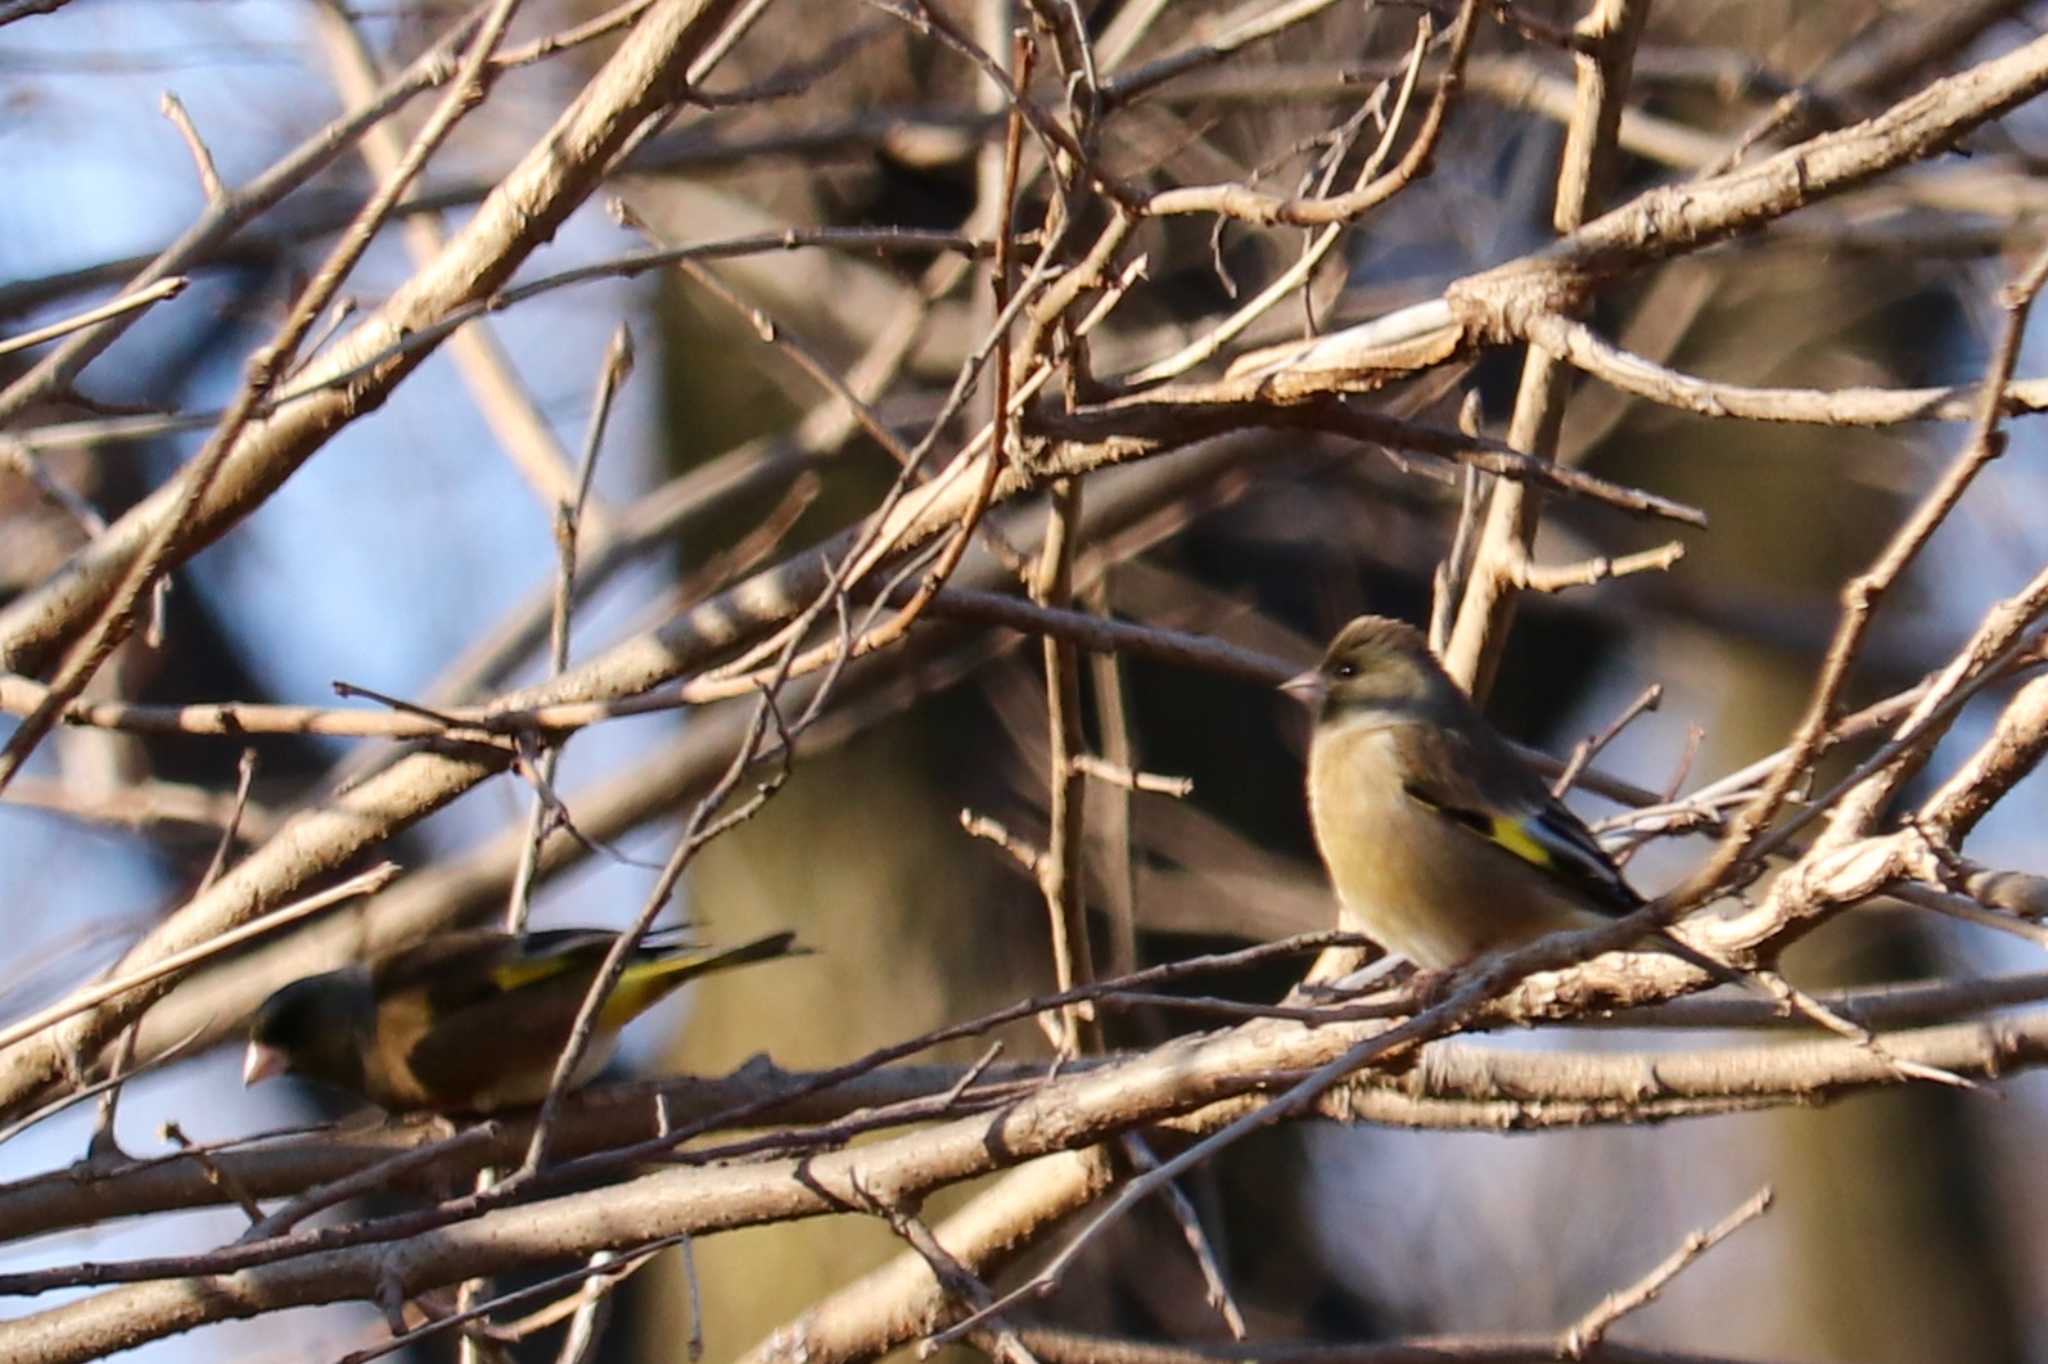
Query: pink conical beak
(260, 1062)
(1306, 687)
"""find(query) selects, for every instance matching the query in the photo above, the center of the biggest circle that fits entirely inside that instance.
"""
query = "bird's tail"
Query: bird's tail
(645, 982)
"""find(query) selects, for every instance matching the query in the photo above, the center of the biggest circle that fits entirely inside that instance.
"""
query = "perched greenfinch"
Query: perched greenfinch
(1442, 843)
(469, 1022)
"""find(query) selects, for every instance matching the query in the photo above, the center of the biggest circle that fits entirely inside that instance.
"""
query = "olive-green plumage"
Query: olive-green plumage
(1442, 844)
(469, 1022)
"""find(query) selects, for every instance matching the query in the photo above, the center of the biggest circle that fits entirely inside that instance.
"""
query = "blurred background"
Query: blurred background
(1908, 1226)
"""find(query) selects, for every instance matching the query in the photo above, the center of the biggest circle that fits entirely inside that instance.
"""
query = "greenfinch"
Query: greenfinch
(469, 1022)
(1442, 843)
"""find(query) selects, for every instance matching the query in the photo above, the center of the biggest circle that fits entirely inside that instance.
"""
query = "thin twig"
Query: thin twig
(115, 617)
(245, 776)
(1863, 593)
(1216, 1286)
(221, 1177)
(141, 298)
(1590, 747)
(1585, 1335)
(618, 364)
(92, 997)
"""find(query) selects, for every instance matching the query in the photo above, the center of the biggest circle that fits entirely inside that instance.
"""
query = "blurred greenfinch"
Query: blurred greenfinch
(469, 1022)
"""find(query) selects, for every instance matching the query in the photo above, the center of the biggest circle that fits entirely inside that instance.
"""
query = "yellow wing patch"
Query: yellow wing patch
(639, 988)
(645, 983)
(1510, 834)
(515, 975)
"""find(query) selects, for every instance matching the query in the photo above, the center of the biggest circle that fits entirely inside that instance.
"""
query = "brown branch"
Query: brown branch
(93, 996)
(140, 298)
(1584, 1336)
(173, 536)
(1632, 374)
(520, 214)
(1494, 306)
(902, 1300)
(1677, 219)
(481, 360)
(1068, 1347)
(55, 374)
(642, 77)
(1458, 1087)
(1861, 596)
(612, 374)
(1501, 561)
(144, 807)
(462, 887)
(2012, 750)
(1251, 206)
(1304, 267)
(1169, 419)
(1880, 59)
(1589, 747)
(1071, 1113)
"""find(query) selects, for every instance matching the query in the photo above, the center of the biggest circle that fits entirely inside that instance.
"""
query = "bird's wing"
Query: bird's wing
(494, 1052)
(466, 1017)
(458, 970)
(486, 961)
(1523, 820)
(479, 1021)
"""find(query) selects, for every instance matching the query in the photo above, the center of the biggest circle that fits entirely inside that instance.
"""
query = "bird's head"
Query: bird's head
(1380, 669)
(316, 1027)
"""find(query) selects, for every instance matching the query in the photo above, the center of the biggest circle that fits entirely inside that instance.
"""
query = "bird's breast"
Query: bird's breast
(1407, 876)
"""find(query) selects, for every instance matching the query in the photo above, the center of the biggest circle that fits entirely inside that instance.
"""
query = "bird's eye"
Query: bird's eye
(1347, 670)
